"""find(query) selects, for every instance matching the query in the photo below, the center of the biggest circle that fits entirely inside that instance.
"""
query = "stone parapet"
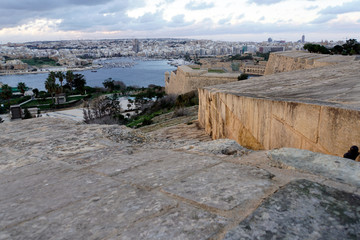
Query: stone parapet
(300, 60)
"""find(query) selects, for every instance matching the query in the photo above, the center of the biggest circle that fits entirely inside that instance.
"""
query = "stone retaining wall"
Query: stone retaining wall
(267, 124)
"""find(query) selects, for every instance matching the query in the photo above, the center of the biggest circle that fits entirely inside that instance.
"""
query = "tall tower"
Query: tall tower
(136, 47)
(303, 38)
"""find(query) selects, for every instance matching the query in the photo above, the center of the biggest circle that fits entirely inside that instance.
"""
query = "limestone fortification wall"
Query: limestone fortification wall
(211, 63)
(299, 60)
(267, 124)
(316, 109)
(186, 79)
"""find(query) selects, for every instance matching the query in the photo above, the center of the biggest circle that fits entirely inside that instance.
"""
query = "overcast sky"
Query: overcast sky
(230, 20)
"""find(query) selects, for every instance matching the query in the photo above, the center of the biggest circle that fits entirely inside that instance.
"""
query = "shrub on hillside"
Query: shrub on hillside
(243, 76)
(187, 99)
(27, 114)
(179, 112)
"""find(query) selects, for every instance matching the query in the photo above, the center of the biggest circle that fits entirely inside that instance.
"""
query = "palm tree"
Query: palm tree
(22, 87)
(79, 82)
(50, 85)
(6, 92)
(60, 76)
(69, 76)
(36, 92)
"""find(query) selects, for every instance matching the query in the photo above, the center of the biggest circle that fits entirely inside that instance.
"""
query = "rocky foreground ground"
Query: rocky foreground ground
(64, 180)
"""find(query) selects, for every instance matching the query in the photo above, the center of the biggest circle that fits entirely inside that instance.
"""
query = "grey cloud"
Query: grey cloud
(243, 28)
(330, 13)
(347, 7)
(198, 5)
(41, 5)
(323, 19)
(264, 2)
(179, 21)
(224, 20)
(148, 22)
(241, 16)
(312, 7)
(74, 13)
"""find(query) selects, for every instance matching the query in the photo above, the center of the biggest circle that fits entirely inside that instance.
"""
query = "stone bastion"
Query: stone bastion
(185, 79)
(315, 109)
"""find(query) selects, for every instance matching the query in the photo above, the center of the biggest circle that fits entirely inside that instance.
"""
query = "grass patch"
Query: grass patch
(45, 104)
(144, 119)
(38, 62)
(68, 99)
(196, 68)
(216, 71)
(35, 103)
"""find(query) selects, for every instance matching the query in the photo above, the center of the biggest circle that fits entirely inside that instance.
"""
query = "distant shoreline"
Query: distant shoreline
(142, 73)
(52, 70)
(93, 67)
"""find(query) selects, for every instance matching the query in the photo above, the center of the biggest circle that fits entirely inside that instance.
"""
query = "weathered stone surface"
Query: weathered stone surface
(166, 170)
(185, 222)
(335, 168)
(224, 186)
(21, 204)
(303, 210)
(218, 147)
(314, 109)
(96, 217)
(61, 180)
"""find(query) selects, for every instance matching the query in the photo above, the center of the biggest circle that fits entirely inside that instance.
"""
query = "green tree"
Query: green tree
(243, 76)
(6, 92)
(109, 84)
(27, 114)
(79, 82)
(316, 48)
(22, 87)
(60, 75)
(337, 49)
(351, 47)
(36, 92)
(69, 76)
(50, 84)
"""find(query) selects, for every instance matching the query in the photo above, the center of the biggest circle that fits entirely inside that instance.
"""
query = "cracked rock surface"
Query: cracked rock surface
(63, 180)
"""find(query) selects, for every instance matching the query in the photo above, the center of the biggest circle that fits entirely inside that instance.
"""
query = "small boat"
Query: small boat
(93, 71)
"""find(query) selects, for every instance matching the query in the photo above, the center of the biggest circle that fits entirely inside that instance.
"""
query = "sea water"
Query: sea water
(142, 73)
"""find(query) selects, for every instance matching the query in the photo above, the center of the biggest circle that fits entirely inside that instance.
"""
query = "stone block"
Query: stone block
(337, 168)
(185, 222)
(164, 171)
(224, 186)
(303, 210)
(97, 217)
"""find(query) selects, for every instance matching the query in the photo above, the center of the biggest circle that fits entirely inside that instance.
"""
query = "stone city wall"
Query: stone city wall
(210, 63)
(185, 79)
(13, 65)
(252, 69)
(291, 61)
(268, 124)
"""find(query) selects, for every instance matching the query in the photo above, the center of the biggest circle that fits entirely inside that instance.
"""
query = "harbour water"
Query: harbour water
(141, 73)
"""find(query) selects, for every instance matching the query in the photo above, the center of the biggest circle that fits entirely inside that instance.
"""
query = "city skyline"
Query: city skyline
(228, 20)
